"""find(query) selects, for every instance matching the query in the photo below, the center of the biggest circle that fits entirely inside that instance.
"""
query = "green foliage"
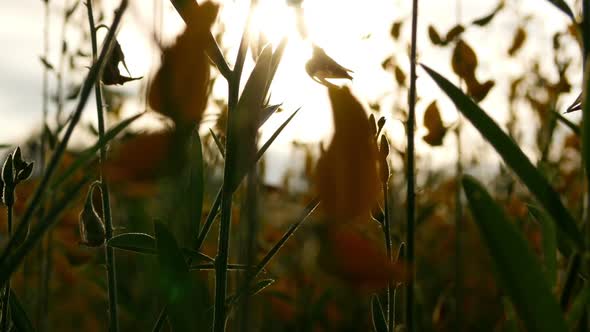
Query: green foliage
(513, 156)
(517, 269)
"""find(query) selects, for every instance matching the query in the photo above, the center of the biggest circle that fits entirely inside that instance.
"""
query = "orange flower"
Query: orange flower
(350, 256)
(181, 85)
(347, 172)
(140, 158)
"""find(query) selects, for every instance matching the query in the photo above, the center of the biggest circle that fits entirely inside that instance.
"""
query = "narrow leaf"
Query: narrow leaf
(517, 269)
(512, 156)
(136, 242)
(90, 153)
(19, 315)
(577, 309)
(379, 323)
(549, 244)
(174, 278)
(142, 243)
(196, 183)
(563, 6)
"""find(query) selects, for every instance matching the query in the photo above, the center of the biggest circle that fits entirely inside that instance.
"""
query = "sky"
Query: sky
(355, 33)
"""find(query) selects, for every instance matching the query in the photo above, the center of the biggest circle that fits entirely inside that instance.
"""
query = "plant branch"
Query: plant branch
(106, 202)
(411, 177)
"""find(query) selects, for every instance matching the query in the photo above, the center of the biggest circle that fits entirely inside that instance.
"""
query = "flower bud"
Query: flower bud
(8, 180)
(92, 229)
(8, 172)
(372, 126)
(17, 160)
(381, 123)
(384, 147)
(25, 172)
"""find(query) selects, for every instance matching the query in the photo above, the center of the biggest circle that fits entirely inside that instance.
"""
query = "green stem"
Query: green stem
(387, 234)
(458, 234)
(106, 202)
(411, 194)
(5, 301)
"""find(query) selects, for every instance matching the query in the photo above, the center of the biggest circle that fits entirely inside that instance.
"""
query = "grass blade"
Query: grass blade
(563, 6)
(577, 310)
(135, 242)
(379, 323)
(516, 266)
(90, 153)
(575, 128)
(19, 316)
(549, 244)
(142, 243)
(513, 156)
(196, 184)
(307, 211)
(174, 277)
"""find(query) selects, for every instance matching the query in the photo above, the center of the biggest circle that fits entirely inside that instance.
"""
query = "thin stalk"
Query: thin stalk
(106, 202)
(387, 234)
(37, 197)
(220, 309)
(5, 301)
(586, 110)
(42, 158)
(411, 177)
(458, 234)
(209, 221)
(251, 232)
(161, 319)
(307, 211)
(458, 209)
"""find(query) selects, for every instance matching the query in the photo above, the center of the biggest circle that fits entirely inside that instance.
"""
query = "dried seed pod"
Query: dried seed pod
(92, 229)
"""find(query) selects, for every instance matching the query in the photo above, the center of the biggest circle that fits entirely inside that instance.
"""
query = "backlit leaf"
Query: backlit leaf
(517, 41)
(434, 36)
(512, 156)
(455, 32)
(516, 266)
(483, 21)
(434, 124)
(464, 60)
(396, 28)
(563, 6)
